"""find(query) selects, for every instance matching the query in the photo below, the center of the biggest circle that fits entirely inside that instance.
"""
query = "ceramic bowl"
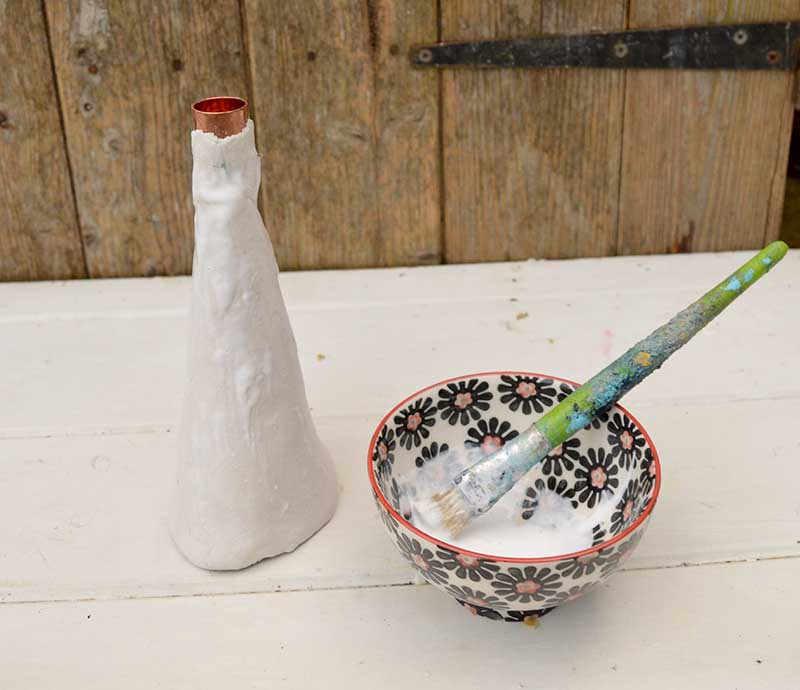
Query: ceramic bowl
(612, 458)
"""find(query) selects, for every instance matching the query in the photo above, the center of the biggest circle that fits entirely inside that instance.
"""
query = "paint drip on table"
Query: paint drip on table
(554, 528)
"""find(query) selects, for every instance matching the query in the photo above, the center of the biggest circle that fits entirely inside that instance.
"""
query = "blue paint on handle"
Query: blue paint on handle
(733, 285)
(577, 422)
(605, 388)
(495, 474)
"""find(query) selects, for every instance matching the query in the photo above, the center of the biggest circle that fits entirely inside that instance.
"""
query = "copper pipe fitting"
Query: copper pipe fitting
(220, 115)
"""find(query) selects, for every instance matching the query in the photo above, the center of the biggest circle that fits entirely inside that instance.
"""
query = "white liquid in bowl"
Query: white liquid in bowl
(554, 529)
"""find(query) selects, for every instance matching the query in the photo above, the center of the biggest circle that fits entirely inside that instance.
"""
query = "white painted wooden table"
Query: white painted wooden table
(93, 594)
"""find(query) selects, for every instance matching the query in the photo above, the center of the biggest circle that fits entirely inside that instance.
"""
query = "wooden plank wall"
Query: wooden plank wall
(704, 154)
(128, 73)
(39, 235)
(531, 158)
(348, 133)
(367, 162)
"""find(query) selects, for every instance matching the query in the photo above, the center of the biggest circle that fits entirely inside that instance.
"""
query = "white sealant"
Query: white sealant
(254, 480)
(554, 529)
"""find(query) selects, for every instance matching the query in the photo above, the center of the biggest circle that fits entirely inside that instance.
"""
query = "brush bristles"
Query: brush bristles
(453, 509)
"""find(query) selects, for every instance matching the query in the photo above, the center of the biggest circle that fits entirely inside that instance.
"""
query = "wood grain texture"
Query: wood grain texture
(80, 421)
(719, 627)
(46, 481)
(128, 73)
(531, 158)
(347, 131)
(704, 153)
(343, 315)
(39, 237)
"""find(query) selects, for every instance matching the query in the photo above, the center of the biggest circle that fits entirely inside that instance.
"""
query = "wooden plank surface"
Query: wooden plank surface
(531, 157)
(579, 315)
(127, 74)
(704, 153)
(63, 500)
(39, 236)
(94, 372)
(92, 588)
(716, 627)
(347, 131)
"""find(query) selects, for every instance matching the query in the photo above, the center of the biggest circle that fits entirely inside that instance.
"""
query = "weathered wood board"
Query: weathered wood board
(39, 236)
(128, 73)
(704, 153)
(367, 161)
(531, 157)
(347, 131)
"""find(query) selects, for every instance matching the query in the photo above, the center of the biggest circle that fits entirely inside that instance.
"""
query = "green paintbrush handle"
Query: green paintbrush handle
(480, 486)
(605, 388)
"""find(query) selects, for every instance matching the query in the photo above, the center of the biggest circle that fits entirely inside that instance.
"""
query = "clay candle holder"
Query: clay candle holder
(254, 480)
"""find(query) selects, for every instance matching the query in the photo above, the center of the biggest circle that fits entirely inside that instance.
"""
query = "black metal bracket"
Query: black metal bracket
(771, 46)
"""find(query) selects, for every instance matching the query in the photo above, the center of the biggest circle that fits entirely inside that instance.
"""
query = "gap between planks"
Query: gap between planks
(521, 299)
(68, 160)
(66, 532)
(341, 588)
(346, 289)
(23, 433)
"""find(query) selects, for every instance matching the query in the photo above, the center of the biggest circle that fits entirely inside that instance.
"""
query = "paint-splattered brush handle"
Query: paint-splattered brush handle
(605, 388)
(488, 480)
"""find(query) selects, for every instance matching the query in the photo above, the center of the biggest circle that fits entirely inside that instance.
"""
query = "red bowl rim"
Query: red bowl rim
(506, 559)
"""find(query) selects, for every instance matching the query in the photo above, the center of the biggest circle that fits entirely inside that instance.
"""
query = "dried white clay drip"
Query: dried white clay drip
(254, 480)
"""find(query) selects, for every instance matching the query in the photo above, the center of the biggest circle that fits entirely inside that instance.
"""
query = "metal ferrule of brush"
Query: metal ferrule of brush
(487, 481)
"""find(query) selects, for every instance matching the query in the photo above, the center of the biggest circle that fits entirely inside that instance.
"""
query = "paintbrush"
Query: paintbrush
(475, 490)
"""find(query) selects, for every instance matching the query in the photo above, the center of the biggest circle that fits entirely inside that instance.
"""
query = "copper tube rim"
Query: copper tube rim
(223, 116)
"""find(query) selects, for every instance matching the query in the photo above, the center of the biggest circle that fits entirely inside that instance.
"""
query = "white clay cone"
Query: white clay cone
(254, 480)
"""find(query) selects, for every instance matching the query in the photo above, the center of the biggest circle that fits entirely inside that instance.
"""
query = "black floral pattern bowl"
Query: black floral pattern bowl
(612, 458)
